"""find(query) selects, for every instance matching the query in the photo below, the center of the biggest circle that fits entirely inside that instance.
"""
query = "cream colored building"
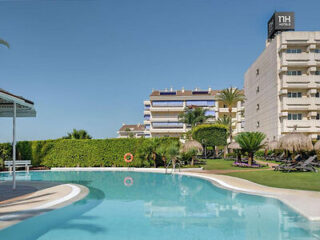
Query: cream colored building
(162, 109)
(131, 131)
(282, 86)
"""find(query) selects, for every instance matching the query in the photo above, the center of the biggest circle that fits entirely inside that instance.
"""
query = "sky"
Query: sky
(89, 64)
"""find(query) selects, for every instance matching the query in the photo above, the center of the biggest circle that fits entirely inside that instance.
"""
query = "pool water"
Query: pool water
(141, 206)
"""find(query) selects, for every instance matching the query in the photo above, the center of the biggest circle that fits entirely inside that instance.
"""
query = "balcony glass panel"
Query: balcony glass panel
(147, 126)
(167, 103)
(146, 117)
(210, 113)
(146, 107)
(167, 125)
(201, 103)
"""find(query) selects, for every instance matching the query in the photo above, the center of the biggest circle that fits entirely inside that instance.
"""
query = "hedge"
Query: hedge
(84, 153)
(211, 134)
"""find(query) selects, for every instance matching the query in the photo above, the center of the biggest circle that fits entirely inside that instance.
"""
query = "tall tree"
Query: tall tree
(250, 142)
(230, 97)
(193, 116)
(78, 134)
(4, 42)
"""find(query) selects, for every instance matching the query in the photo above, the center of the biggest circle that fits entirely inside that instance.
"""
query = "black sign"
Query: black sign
(280, 21)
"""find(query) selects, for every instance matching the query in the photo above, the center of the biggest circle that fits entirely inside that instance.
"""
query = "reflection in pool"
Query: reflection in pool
(138, 206)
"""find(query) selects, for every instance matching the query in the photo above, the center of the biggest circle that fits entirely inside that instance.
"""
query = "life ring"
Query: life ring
(125, 157)
(128, 181)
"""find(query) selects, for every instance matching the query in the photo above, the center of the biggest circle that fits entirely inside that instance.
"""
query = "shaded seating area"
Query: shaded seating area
(13, 106)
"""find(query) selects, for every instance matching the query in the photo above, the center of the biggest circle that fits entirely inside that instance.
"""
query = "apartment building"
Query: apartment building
(282, 86)
(132, 131)
(163, 107)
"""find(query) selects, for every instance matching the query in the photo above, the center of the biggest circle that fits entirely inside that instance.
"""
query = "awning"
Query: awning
(25, 108)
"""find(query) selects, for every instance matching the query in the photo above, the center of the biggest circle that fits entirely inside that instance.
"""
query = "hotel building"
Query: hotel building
(282, 86)
(163, 107)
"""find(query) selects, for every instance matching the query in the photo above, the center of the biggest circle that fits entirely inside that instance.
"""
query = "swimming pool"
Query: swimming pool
(141, 206)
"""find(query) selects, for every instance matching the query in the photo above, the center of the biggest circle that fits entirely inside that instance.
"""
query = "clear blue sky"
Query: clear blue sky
(90, 64)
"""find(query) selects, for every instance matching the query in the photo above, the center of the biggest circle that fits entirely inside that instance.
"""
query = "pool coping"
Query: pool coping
(304, 202)
(76, 193)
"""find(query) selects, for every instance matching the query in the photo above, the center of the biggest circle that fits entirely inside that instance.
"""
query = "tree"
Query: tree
(210, 134)
(193, 116)
(172, 153)
(225, 120)
(148, 150)
(250, 142)
(230, 97)
(5, 43)
(78, 134)
(193, 152)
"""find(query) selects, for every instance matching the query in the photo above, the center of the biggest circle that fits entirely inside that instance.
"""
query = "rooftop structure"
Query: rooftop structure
(132, 130)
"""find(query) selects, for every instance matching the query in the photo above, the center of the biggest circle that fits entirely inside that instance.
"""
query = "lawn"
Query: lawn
(292, 180)
(221, 164)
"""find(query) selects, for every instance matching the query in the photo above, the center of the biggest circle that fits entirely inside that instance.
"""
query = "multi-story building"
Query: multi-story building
(282, 86)
(132, 130)
(161, 111)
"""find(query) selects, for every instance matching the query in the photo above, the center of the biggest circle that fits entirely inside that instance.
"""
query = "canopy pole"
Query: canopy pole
(14, 145)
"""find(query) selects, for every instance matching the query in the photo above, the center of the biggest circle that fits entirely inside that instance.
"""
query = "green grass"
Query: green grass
(293, 180)
(220, 164)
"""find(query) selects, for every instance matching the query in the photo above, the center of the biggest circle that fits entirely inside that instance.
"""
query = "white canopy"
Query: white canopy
(15, 106)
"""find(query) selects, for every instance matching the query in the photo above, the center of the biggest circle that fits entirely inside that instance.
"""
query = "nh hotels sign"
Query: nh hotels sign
(280, 21)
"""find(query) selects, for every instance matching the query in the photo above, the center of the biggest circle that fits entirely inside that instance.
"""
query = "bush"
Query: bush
(85, 153)
(211, 134)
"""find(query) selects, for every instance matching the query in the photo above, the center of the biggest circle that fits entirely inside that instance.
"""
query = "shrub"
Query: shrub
(211, 134)
(86, 153)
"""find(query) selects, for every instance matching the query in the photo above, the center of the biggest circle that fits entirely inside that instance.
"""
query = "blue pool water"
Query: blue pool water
(141, 206)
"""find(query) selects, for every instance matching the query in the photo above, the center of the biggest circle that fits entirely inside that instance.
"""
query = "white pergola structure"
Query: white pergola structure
(12, 106)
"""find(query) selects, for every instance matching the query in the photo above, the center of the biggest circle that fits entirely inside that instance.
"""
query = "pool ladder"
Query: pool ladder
(173, 166)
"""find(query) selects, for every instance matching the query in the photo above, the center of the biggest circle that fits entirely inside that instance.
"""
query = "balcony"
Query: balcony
(226, 110)
(296, 104)
(167, 130)
(301, 82)
(306, 126)
(167, 109)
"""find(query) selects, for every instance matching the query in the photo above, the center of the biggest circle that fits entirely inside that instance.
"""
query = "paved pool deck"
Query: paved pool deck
(32, 198)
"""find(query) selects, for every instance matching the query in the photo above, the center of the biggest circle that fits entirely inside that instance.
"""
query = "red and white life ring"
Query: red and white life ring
(125, 157)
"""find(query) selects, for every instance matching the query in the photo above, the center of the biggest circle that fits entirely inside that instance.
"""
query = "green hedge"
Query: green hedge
(85, 153)
(211, 134)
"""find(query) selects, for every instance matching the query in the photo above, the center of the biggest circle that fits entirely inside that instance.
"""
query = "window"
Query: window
(258, 106)
(295, 116)
(257, 72)
(318, 116)
(317, 73)
(167, 103)
(224, 106)
(210, 113)
(293, 50)
(294, 73)
(294, 94)
(318, 137)
(147, 126)
(258, 89)
(167, 125)
(146, 117)
(317, 50)
(317, 94)
(258, 124)
(201, 103)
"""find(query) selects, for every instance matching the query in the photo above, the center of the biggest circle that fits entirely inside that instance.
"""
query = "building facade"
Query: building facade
(282, 86)
(162, 109)
(132, 131)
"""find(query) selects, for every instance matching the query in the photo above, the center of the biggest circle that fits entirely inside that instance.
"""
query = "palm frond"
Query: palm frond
(5, 43)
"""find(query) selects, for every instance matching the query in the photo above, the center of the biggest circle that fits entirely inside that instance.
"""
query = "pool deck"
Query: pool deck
(32, 198)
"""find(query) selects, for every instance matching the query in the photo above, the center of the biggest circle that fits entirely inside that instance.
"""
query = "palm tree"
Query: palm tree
(162, 152)
(173, 152)
(5, 43)
(193, 116)
(250, 142)
(225, 120)
(230, 97)
(78, 134)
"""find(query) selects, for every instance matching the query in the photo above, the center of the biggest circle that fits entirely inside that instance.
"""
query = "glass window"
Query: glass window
(317, 94)
(295, 116)
(210, 113)
(146, 117)
(317, 73)
(168, 93)
(201, 103)
(167, 103)
(294, 94)
(318, 116)
(317, 50)
(293, 50)
(167, 124)
(294, 73)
